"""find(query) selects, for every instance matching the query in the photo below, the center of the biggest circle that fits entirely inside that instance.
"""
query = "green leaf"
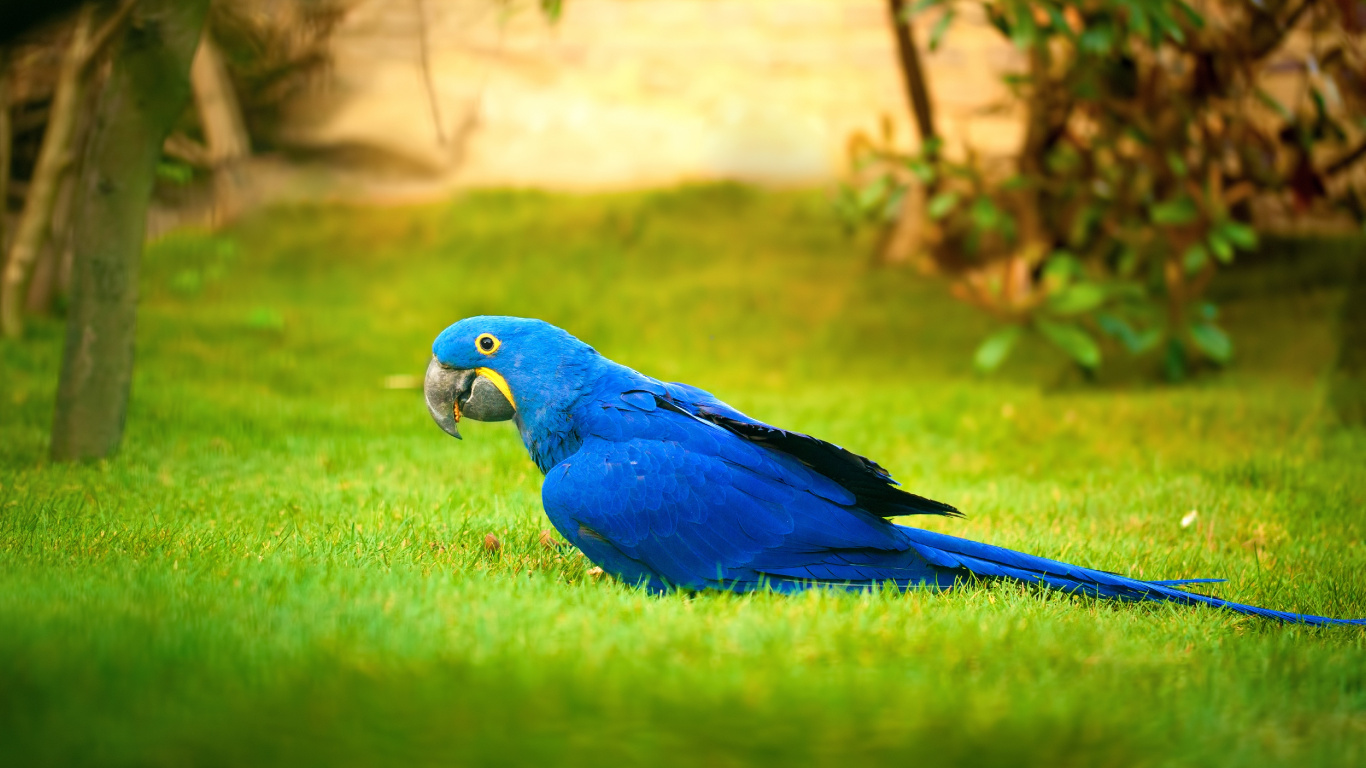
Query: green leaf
(1193, 16)
(985, 215)
(996, 348)
(871, 195)
(1113, 325)
(1195, 259)
(1144, 341)
(1077, 298)
(1059, 269)
(1177, 164)
(1174, 212)
(922, 170)
(941, 204)
(1223, 249)
(1057, 24)
(1212, 340)
(1097, 39)
(940, 27)
(1024, 33)
(1137, 342)
(1077, 343)
(1241, 235)
(552, 9)
(1164, 24)
(1138, 20)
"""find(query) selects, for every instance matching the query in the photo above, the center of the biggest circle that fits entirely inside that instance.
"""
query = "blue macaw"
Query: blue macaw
(666, 486)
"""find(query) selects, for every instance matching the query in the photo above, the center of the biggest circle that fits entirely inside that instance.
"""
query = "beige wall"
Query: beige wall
(627, 93)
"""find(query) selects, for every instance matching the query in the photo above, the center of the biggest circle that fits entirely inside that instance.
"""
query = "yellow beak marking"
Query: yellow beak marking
(499, 382)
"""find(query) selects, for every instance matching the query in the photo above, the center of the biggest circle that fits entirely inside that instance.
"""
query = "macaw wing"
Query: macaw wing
(873, 487)
(663, 494)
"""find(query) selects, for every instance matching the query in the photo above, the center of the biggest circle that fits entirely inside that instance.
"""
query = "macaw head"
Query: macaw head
(489, 368)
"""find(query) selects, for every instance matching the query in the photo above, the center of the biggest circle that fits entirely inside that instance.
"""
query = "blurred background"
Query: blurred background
(1078, 171)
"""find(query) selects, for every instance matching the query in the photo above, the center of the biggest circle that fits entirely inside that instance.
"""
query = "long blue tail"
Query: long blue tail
(988, 561)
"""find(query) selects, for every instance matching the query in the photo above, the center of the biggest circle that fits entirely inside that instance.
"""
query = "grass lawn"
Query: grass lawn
(285, 566)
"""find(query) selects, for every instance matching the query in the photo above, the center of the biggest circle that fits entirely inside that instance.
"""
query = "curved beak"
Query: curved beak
(474, 393)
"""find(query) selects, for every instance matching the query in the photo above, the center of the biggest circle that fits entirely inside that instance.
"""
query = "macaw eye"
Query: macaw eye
(487, 343)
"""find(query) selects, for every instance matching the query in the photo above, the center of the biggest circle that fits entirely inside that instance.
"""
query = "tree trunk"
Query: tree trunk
(905, 235)
(225, 132)
(148, 88)
(54, 158)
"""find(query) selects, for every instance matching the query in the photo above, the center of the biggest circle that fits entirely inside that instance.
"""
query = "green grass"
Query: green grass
(285, 566)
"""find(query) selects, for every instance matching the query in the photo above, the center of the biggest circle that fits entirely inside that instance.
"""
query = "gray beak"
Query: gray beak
(454, 392)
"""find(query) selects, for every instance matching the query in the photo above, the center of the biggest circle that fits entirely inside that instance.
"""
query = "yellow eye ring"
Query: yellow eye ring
(487, 343)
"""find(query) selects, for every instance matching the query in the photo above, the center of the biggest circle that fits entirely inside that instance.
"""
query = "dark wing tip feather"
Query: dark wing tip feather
(873, 487)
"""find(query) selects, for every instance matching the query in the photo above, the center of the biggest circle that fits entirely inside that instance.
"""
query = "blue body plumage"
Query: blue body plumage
(664, 485)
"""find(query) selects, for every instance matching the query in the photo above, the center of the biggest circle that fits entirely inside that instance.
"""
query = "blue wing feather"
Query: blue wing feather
(840, 475)
(692, 515)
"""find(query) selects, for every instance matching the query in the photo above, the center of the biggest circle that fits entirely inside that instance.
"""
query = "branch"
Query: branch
(186, 149)
(909, 57)
(1285, 28)
(1295, 15)
(1346, 161)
